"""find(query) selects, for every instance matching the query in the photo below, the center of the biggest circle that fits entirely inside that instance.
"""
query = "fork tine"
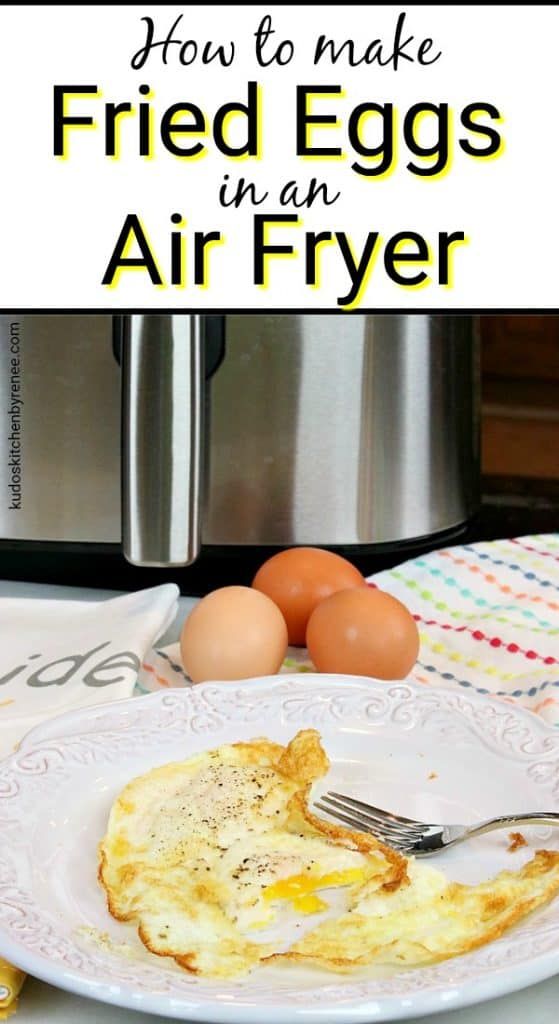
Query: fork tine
(368, 808)
(392, 834)
(350, 820)
(387, 826)
(396, 843)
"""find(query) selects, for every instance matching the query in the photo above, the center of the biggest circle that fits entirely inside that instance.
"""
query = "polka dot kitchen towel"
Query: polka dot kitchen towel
(488, 617)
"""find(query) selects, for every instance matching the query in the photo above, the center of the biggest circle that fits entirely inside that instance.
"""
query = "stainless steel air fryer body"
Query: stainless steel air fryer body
(313, 429)
(342, 430)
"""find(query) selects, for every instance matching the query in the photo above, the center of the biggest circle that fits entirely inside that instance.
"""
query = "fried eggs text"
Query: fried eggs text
(205, 855)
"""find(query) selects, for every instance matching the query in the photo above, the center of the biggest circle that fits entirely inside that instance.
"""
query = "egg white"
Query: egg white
(208, 855)
(193, 851)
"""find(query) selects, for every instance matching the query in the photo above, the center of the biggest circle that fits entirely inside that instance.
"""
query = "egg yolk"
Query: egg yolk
(300, 890)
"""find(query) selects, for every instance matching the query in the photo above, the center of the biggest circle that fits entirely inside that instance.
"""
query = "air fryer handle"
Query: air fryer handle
(162, 395)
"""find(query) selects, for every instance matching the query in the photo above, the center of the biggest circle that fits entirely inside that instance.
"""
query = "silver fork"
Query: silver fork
(418, 837)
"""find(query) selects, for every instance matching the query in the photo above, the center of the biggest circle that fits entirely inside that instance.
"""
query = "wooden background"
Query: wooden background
(520, 396)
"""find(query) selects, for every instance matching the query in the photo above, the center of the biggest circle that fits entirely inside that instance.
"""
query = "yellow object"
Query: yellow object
(299, 889)
(11, 982)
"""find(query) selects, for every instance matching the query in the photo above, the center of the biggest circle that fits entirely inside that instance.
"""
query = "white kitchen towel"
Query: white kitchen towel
(59, 655)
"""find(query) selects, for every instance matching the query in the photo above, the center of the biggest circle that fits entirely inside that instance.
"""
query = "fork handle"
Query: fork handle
(537, 818)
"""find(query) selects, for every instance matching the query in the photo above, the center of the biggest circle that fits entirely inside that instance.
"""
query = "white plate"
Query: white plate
(433, 754)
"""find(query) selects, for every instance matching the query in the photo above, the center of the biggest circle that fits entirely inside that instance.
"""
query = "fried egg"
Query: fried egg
(429, 918)
(205, 854)
(208, 856)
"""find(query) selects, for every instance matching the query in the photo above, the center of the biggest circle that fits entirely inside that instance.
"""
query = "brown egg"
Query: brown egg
(299, 578)
(363, 632)
(233, 633)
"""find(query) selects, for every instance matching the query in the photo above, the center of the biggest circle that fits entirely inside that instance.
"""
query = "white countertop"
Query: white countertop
(42, 1004)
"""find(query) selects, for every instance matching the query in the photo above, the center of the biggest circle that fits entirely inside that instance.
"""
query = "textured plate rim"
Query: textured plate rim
(56, 726)
(243, 1011)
